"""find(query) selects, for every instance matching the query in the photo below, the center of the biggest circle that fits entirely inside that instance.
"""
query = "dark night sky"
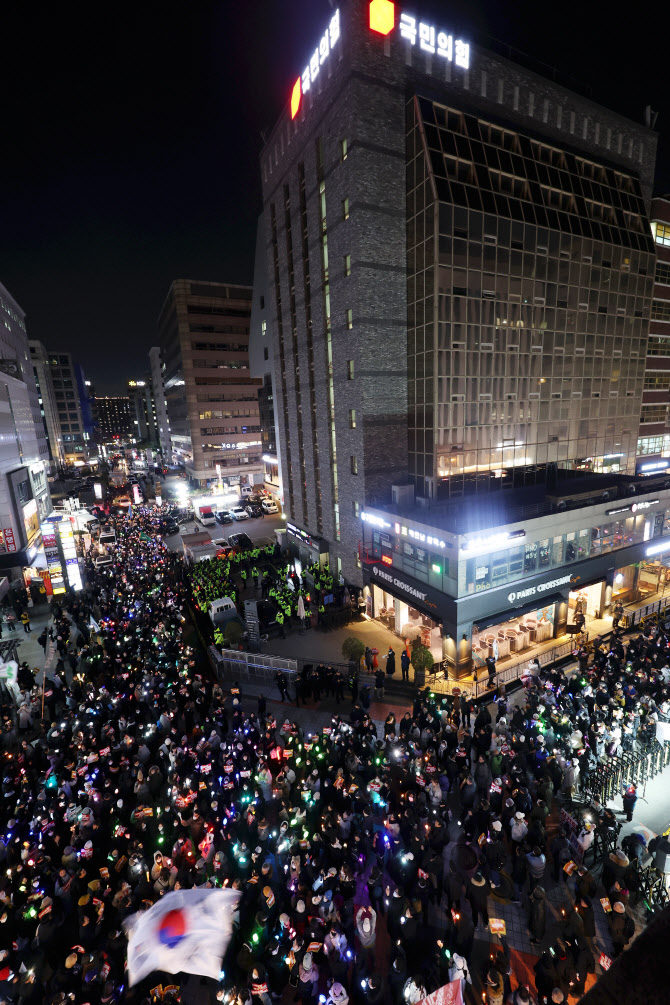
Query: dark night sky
(131, 137)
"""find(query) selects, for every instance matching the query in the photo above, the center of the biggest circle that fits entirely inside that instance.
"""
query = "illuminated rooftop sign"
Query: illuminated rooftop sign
(384, 19)
(323, 50)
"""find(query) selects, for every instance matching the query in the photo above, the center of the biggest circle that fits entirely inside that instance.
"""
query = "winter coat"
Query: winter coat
(588, 919)
(477, 895)
(537, 918)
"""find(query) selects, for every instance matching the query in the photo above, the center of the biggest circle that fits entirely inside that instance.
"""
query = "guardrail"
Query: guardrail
(635, 766)
(438, 680)
(238, 665)
(632, 618)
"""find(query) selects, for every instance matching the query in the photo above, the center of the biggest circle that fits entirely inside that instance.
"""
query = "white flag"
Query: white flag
(187, 931)
(92, 623)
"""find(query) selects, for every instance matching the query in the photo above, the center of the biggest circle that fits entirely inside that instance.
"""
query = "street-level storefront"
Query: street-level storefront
(406, 607)
(507, 622)
(520, 634)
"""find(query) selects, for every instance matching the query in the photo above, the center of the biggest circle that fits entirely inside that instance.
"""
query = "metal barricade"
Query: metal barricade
(252, 667)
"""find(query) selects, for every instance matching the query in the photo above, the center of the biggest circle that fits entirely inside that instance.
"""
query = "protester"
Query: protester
(148, 777)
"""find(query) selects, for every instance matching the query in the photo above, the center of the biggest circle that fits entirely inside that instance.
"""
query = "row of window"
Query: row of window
(220, 346)
(221, 430)
(660, 310)
(227, 414)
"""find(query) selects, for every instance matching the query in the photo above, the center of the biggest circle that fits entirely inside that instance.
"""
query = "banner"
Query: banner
(662, 731)
(9, 672)
(187, 931)
(51, 652)
(450, 994)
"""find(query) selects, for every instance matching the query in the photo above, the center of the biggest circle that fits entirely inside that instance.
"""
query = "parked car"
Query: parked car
(254, 510)
(224, 516)
(240, 542)
(239, 513)
(169, 526)
(269, 506)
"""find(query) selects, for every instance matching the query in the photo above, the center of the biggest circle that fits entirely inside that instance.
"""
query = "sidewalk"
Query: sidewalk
(29, 648)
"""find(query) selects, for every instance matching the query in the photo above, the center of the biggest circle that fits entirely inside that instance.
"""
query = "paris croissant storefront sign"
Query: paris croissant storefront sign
(534, 591)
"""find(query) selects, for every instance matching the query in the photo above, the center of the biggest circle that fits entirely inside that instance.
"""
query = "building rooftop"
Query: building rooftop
(498, 509)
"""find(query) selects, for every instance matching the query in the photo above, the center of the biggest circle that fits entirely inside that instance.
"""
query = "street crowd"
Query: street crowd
(366, 863)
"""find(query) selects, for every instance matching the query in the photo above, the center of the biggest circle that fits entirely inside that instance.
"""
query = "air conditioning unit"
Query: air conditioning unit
(402, 495)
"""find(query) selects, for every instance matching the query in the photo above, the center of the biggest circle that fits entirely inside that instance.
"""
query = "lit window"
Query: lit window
(357, 509)
(354, 464)
(350, 318)
(347, 265)
(352, 418)
(350, 369)
(345, 210)
(343, 150)
(661, 232)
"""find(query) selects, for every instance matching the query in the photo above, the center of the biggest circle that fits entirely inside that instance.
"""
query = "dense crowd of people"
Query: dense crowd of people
(366, 863)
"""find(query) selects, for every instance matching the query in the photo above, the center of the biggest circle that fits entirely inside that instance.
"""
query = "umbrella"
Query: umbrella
(301, 608)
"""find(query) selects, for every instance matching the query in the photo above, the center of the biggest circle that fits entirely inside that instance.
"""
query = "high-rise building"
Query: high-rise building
(261, 364)
(25, 500)
(143, 411)
(65, 406)
(653, 446)
(47, 401)
(212, 401)
(460, 277)
(158, 392)
(115, 421)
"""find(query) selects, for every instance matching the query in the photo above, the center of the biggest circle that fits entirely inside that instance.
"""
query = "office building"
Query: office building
(653, 448)
(115, 422)
(24, 454)
(69, 427)
(461, 271)
(47, 401)
(261, 364)
(212, 400)
(158, 393)
(143, 411)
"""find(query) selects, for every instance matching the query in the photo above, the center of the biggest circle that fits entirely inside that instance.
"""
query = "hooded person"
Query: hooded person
(308, 979)
(459, 971)
(337, 995)
(537, 915)
(495, 987)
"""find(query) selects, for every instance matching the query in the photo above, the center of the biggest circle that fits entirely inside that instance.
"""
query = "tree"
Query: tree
(232, 633)
(353, 649)
(422, 661)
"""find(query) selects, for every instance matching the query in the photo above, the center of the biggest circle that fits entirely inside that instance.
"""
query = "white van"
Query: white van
(107, 536)
(246, 491)
(269, 506)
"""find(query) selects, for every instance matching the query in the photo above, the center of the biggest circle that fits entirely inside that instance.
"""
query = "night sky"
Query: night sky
(131, 137)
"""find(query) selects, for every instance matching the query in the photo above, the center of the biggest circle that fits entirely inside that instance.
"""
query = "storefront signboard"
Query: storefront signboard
(411, 591)
(551, 584)
(635, 507)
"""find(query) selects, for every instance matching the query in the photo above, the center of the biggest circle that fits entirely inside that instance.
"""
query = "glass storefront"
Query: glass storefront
(517, 636)
(404, 620)
(589, 601)
(653, 578)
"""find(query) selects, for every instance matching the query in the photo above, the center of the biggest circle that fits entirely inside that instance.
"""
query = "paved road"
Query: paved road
(261, 530)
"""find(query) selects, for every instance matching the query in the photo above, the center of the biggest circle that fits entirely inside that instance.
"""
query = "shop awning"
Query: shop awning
(511, 613)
